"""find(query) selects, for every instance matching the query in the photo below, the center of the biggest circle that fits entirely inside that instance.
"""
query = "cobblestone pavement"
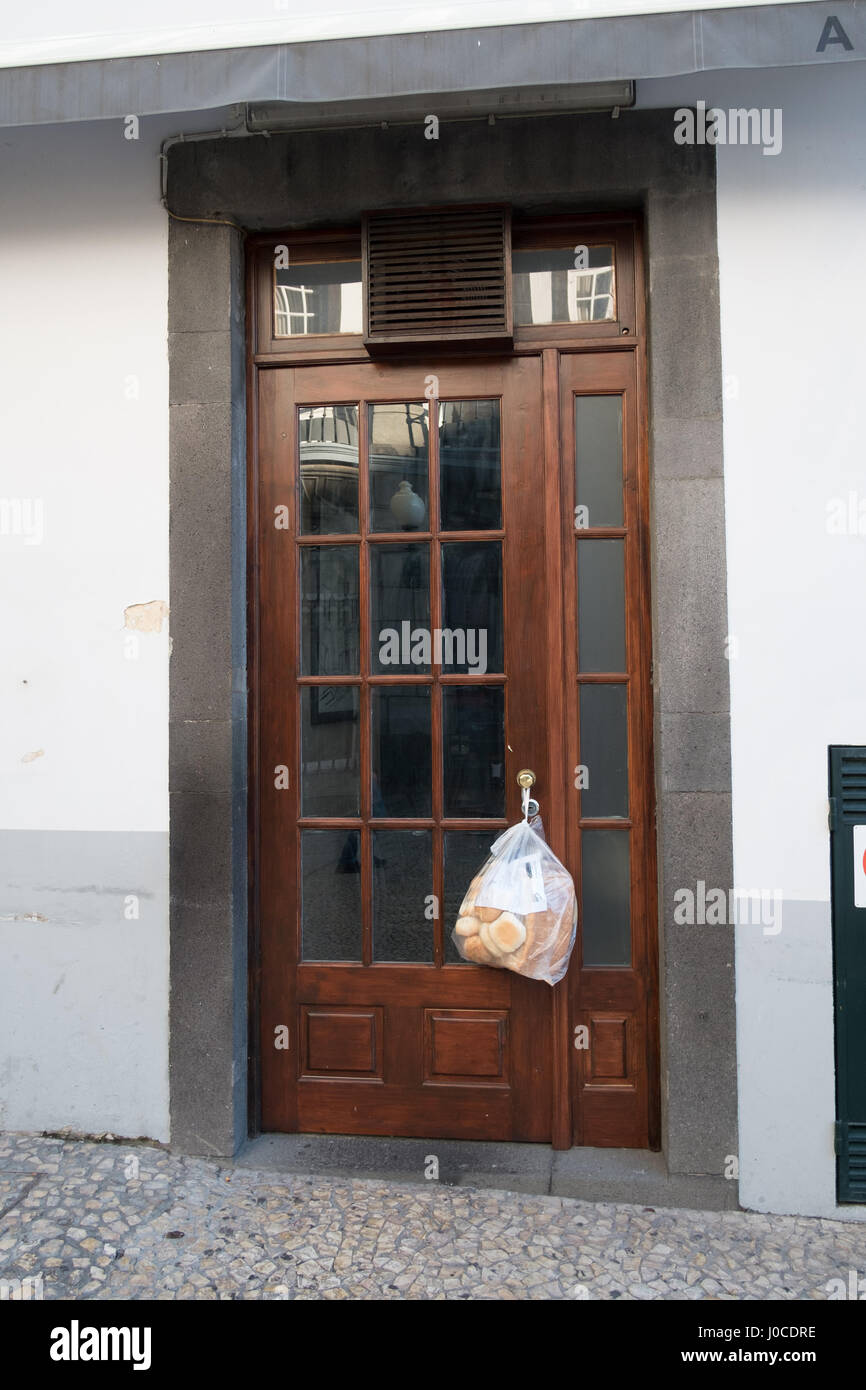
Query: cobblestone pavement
(112, 1221)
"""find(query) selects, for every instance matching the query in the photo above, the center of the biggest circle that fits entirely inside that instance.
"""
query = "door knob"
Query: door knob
(526, 778)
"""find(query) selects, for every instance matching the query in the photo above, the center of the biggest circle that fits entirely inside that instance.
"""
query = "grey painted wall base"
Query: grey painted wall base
(548, 164)
(590, 1175)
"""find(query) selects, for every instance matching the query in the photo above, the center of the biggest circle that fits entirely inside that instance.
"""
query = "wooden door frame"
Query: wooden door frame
(549, 343)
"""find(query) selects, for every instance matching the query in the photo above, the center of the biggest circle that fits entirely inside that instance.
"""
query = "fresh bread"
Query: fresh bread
(473, 949)
(507, 933)
(467, 926)
(489, 943)
(488, 914)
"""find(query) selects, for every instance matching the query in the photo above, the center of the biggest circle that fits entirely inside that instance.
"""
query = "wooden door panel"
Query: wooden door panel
(368, 1045)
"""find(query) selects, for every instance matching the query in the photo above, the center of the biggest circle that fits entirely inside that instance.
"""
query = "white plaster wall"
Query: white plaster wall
(83, 710)
(792, 242)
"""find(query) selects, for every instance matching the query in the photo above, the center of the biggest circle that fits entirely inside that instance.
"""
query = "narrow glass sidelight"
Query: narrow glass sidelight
(601, 606)
(598, 461)
(403, 926)
(399, 459)
(605, 887)
(328, 446)
(331, 895)
(604, 750)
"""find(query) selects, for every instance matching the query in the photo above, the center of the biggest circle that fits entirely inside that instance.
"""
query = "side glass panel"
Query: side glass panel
(328, 438)
(605, 889)
(601, 606)
(604, 750)
(598, 460)
(399, 447)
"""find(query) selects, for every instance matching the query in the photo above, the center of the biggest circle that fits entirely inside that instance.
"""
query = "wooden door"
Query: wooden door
(394, 503)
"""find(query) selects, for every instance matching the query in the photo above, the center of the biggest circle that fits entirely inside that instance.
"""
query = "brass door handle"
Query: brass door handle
(526, 778)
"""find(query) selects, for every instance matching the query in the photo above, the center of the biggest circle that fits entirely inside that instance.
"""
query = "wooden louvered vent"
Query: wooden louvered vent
(437, 275)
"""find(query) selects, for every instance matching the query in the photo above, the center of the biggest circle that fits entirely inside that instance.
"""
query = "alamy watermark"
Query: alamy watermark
(739, 126)
(418, 646)
(718, 907)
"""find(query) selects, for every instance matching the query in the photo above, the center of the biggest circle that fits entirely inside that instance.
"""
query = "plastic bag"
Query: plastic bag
(520, 910)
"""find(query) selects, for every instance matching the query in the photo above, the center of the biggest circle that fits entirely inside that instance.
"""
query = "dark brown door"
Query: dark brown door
(403, 678)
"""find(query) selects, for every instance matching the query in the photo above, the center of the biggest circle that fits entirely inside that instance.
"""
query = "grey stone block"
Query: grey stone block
(200, 755)
(684, 345)
(201, 838)
(695, 752)
(199, 367)
(690, 580)
(682, 225)
(199, 268)
(682, 448)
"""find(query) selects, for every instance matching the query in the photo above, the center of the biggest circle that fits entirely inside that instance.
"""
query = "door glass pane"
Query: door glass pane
(604, 750)
(399, 448)
(465, 852)
(331, 895)
(601, 605)
(400, 638)
(605, 897)
(469, 466)
(330, 632)
(472, 603)
(330, 781)
(559, 286)
(320, 298)
(474, 750)
(328, 436)
(598, 460)
(402, 889)
(401, 751)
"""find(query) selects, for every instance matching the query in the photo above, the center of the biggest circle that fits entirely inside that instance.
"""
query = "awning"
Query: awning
(387, 67)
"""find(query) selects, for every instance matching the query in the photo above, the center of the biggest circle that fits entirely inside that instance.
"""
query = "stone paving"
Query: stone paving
(122, 1221)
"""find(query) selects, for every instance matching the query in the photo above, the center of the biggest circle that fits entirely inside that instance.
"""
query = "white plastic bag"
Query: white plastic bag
(520, 910)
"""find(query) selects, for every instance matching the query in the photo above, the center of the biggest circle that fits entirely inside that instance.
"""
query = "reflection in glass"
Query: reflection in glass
(402, 888)
(469, 466)
(474, 750)
(401, 757)
(328, 436)
(472, 605)
(330, 781)
(606, 924)
(601, 605)
(400, 638)
(604, 749)
(399, 447)
(324, 297)
(330, 895)
(598, 458)
(330, 632)
(465, 852)
(549, 288)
